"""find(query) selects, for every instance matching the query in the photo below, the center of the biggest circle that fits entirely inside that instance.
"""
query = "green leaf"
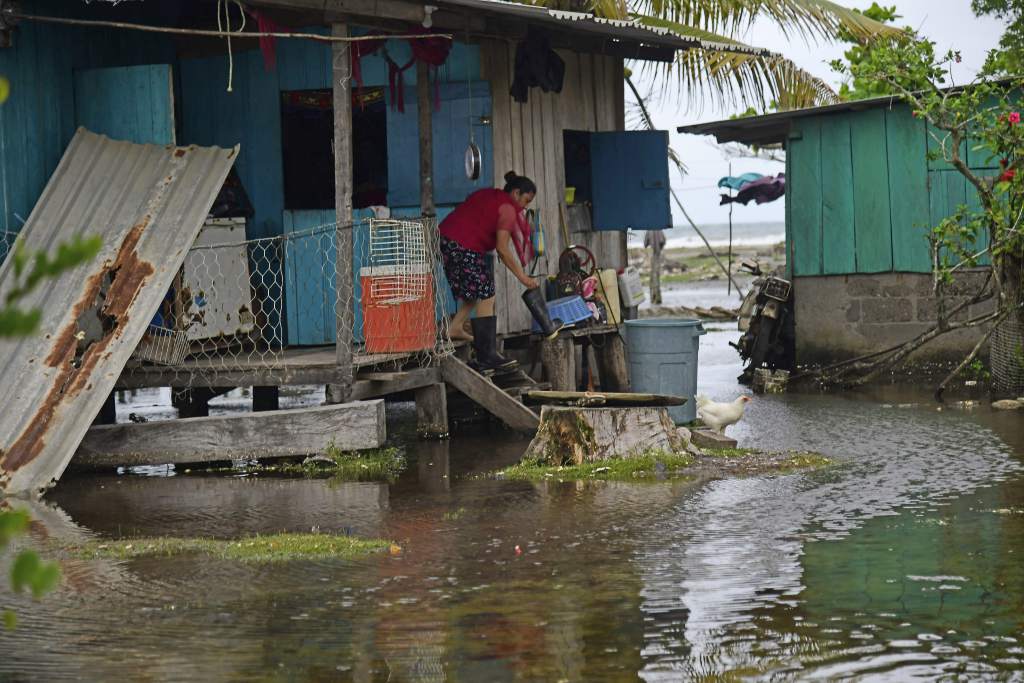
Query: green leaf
(32, 573)
(12, 523)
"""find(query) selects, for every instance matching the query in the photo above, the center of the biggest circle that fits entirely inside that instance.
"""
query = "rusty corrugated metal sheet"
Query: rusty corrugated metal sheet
(147, 202)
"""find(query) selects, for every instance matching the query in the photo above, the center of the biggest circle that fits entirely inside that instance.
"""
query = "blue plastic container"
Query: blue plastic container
(662, 356)
(568, 309)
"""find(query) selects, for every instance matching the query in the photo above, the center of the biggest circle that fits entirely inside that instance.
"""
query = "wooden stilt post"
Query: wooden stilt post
(265, 398)
(432, 411)
(611, 362)
(425, 106)
(341, 73)
(559, 360)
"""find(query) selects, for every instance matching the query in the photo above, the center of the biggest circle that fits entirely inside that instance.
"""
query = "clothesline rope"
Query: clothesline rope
(11, 14)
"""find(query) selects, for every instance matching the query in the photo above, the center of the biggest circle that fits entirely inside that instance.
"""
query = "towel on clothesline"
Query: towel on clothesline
(762, 191)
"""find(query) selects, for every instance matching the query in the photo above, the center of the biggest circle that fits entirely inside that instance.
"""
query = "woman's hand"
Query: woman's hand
(529, 282)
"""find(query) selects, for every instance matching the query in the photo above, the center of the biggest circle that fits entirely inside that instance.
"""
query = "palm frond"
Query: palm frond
(739, 80)
(815, 19)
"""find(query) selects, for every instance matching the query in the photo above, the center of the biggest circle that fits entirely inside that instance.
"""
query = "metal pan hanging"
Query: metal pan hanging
(474, 160)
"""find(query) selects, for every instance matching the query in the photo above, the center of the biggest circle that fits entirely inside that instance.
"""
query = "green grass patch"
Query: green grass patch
(273, 548)
(650, 466)
(803, 461)
(380, 464)
(730, 452)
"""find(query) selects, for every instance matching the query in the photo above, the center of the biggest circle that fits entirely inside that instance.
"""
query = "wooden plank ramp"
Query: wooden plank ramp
(488, 395)
(279, 433)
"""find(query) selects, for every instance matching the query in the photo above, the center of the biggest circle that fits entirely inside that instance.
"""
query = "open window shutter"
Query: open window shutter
(629, 171)
(134, 103)
(451, 137)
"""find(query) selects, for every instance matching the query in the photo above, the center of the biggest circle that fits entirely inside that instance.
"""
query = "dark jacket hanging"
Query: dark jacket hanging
(537, 65)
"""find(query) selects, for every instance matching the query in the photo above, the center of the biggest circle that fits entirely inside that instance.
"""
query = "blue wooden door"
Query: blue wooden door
(463, 106)
(629, 171)
(134, 103)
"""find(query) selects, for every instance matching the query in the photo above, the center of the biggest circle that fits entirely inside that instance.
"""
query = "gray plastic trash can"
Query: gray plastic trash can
(662, 354)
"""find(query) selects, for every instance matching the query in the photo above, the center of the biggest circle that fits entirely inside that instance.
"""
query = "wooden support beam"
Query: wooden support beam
(487, 395)
(404, 381)
(432, 411)
(280, 433)
(425, 107)
(341, 83)
(559, 360)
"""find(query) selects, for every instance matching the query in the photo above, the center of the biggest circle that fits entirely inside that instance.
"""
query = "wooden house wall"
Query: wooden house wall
(862, 195)
(38, 119)
(528, 139)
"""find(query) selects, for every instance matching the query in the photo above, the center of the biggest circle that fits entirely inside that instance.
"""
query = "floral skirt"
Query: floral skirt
(470, 274)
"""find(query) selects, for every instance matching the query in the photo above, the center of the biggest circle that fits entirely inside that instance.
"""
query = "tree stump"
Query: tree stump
(572, 436)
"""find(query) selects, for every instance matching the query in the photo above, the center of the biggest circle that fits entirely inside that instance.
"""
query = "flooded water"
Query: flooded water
(903, 561)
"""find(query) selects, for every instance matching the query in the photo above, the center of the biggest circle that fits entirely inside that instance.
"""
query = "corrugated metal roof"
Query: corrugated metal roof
(773, 128)
(617, 29)
(147, 202)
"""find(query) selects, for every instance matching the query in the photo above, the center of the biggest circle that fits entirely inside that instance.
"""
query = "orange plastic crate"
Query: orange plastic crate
(398, 310)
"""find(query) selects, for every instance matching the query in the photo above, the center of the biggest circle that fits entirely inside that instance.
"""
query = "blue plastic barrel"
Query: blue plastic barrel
(662, 355)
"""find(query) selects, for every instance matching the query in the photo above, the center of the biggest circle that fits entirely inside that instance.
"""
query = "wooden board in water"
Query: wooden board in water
(602, 398)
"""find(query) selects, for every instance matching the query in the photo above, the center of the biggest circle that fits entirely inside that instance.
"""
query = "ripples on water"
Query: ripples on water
(900, 562)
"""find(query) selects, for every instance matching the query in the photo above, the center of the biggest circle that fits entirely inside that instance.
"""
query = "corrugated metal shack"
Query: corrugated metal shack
(328, 141)
(861, 197)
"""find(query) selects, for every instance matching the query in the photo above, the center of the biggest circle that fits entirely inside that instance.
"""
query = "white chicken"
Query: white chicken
(718, 416)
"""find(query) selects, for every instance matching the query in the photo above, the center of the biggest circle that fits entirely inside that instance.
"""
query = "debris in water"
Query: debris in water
(519, 551)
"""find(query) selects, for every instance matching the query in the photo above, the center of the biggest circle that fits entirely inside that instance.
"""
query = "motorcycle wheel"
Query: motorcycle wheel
(762, 344)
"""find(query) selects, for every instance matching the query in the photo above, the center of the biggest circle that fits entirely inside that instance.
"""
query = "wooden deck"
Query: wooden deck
(305, 365)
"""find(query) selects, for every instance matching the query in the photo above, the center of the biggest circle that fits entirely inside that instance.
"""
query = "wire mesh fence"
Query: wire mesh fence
(275, 304)
(6, 243)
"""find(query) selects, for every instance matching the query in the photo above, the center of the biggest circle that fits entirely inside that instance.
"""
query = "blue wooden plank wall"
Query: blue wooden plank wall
(862, 193)
(145, 111)
(38, 120)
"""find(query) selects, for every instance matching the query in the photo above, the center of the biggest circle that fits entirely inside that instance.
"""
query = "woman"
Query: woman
(489, 220)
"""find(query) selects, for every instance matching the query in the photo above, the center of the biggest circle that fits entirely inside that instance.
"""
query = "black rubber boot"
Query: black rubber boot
(539, 310)
(485, 342)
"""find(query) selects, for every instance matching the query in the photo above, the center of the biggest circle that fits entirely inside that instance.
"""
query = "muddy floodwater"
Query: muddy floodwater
(902, 561)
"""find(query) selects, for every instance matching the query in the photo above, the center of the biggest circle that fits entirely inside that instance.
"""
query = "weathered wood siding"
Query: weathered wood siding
(528, 140)
(862, 194)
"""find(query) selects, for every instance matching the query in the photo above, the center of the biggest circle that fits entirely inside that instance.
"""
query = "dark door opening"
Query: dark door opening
(307, 138)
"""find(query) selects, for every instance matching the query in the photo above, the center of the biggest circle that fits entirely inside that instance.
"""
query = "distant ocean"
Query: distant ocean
(745, 234)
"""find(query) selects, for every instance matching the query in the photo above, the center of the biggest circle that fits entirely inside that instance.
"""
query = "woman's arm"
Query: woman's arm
(511, 261)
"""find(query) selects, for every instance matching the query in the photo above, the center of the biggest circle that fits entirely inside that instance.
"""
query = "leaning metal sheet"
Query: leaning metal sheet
(147, 203)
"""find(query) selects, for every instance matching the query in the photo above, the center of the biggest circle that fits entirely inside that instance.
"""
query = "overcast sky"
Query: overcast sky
(950, 23)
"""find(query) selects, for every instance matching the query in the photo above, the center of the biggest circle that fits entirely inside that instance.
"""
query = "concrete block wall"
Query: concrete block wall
(844, 316)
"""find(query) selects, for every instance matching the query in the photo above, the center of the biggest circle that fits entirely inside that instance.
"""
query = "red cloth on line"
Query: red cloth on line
(473, 224)
(267, 45)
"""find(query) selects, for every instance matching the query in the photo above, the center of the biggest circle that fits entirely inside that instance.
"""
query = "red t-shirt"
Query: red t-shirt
(474, 223)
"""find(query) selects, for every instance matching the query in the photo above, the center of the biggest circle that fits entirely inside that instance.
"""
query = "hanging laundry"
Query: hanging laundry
(267, 45)
(537, 65)
(737, 182)
(762, 191)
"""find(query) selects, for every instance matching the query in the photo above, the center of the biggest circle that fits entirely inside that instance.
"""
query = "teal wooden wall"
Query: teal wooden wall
(862, 195)
(38, 120)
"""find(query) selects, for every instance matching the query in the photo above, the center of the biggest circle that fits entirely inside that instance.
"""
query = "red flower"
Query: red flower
(1007, 175)
(1014, 117)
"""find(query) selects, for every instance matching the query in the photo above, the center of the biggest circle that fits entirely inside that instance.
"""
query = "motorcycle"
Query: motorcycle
(767, 323)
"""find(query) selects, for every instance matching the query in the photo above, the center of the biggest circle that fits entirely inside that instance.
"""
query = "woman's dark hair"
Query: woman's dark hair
(519, 182)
